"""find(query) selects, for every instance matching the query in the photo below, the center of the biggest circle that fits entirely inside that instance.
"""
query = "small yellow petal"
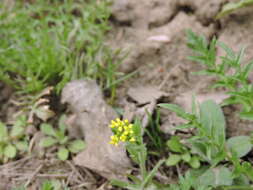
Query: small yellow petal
(132, 139)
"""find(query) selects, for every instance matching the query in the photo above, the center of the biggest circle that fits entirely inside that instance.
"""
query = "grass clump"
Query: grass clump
(51, 42)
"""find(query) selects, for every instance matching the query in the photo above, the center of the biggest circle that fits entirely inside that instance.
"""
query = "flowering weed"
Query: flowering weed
(123, 131)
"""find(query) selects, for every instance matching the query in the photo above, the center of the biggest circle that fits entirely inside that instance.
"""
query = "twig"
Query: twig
(73, 167)
(34, 174)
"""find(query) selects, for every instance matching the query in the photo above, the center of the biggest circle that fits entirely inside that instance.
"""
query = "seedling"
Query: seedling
(58, 137)
(231, 73)
(181, 153)
(13, 140)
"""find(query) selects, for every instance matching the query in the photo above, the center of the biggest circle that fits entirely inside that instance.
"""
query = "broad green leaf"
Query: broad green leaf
(61, 137)
(63, 153)
(22, 145)
(223, 176)
(61, 124)
(186, 157)
(17, 131)
(178, 110)
(173, 160)
(175, 145)
(76, 146)
(216, 177)
(213, 121)
(3, 132)
(200, 148)
(10, 151)
(194, 162)
(241, 145)
(47, 142)
(21, 121)
(47, 129)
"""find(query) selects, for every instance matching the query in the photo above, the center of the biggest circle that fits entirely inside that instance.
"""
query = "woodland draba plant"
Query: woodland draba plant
(138, 153)
(123, 131)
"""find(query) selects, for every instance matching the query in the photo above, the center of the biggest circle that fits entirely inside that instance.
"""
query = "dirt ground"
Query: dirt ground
(152, 34)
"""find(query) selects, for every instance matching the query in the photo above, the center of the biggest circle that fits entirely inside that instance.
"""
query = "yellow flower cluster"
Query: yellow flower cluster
(123, 131)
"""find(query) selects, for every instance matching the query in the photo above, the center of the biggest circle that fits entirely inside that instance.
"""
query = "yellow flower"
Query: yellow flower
(123, 138)
(132, 139)
(123, 131)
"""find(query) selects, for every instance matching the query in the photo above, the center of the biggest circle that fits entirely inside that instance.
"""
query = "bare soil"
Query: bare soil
(152, 34)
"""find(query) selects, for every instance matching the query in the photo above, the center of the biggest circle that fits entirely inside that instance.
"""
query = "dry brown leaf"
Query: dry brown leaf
(185, 100)
(92, 117)
(145, 94)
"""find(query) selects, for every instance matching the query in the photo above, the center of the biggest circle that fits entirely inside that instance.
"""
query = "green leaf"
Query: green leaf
(194, 162)
(186, 157)
(230, 7)
(63, 154)
(76, 146)
(213, 121)
(61, 137)
(10, 151)
(22, 145)
(21, 121)
(241, 145)
(17, 131)
(175, 145)
(3, 132)
(61, 123)
(123, 184)
(178, 110)
(151, 174)
(47, 142)
(47, 129)
(247, 115)
(173, 160)
(216, 177)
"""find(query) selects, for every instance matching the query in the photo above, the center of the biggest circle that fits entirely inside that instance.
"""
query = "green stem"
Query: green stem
(238, 188)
